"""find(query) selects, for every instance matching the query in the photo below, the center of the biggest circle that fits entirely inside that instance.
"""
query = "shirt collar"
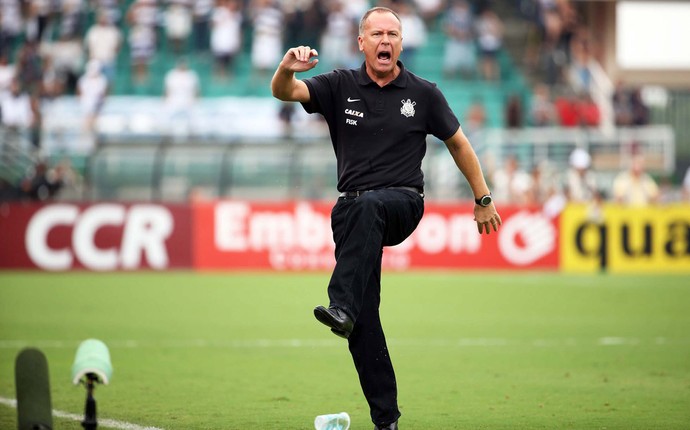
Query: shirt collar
(400, 81)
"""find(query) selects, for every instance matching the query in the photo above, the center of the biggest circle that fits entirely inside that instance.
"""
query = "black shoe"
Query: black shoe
(391, 426)
(339, 322)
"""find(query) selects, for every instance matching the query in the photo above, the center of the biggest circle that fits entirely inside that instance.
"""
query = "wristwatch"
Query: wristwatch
(484, 200)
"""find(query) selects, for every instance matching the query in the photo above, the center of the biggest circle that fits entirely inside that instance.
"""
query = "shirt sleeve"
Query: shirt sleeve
(441, 121)
(321, 89)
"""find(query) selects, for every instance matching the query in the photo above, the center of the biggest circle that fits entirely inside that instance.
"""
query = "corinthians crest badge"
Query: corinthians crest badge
(407, 108)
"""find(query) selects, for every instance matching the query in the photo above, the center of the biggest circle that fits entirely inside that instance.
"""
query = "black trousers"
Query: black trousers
(362, 226)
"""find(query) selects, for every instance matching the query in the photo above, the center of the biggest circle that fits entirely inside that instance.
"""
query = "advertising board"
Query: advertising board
(98, 237)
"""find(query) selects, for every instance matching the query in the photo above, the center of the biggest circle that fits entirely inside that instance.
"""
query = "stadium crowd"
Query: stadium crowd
(51, 48)
(46, 48)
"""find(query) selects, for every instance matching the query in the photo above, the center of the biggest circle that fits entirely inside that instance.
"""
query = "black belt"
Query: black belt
(355, 194)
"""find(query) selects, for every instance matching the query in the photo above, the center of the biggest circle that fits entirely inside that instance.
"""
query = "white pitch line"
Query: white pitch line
(605, 341)
(108, 423)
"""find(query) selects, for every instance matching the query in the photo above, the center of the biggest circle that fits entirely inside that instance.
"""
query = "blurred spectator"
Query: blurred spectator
(267, 41)
(639, 111)
(459, 55)
(475, 118)
(513, 112)
(181, 92)
(92, 89)
(38, 17)
(338, 42)
(41, 183)
(510, 184)
(7, 74)
(414, 34)
(285, 115)
(29, 74)
(430, 10)
(554, 201)
(549, 21)
(110, 8)
(65, 57)
(305, 21)
(11, 25)
(686, 185)
(535, 194)
(667, 192)
(201, 24)
(52, 86)
(566, 108)
(588, 112)
(103, 40)
(226, 36)
(580, 182)
(143, 18)
(545, 190)
(542, 112)
(29, 70)
(628, 107)
(71, 182)
(582, 63)
(357, 8)
(178, 24)
(17, 115)
(16, 107)
(72, 19)
(622, 108)
(634, 186)
(553, 52)
(489, 42)
(577, 110)
(555, 20)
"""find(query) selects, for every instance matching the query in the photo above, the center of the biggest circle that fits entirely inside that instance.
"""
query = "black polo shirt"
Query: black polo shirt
(379, 134)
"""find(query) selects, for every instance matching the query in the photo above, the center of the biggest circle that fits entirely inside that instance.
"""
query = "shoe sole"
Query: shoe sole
(325, 318)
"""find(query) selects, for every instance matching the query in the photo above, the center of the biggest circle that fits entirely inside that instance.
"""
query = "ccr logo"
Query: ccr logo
(142, 232)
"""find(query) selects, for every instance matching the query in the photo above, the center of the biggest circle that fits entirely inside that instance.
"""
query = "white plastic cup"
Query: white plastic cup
(339, 421)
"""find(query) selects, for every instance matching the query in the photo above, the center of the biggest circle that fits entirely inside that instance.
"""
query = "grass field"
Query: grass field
(472, 351)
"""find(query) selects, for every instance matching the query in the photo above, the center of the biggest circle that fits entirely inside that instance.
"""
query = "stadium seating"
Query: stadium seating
(245, 83)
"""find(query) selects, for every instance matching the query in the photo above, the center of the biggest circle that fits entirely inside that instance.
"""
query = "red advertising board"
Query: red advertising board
(242, 235)
(236, 235)
(99, 237)
(297, 236)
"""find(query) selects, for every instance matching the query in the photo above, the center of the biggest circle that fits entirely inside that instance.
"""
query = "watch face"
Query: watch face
(485, 200)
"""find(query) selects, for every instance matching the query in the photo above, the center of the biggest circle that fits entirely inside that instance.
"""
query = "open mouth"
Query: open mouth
(384, 56)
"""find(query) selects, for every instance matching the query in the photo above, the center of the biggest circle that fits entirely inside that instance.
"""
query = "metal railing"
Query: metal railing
(284, 168)
(16, 155)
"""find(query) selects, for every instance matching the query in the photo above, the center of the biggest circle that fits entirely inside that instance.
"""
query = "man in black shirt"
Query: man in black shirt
(379, 117)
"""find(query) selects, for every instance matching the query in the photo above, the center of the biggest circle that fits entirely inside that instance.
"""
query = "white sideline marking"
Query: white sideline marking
(606, 341)
(113, 424)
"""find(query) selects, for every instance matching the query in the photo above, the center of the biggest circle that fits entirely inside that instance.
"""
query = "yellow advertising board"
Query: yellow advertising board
(621, 239)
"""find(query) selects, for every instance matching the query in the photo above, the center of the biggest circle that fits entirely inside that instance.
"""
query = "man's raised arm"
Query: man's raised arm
(284, 85)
